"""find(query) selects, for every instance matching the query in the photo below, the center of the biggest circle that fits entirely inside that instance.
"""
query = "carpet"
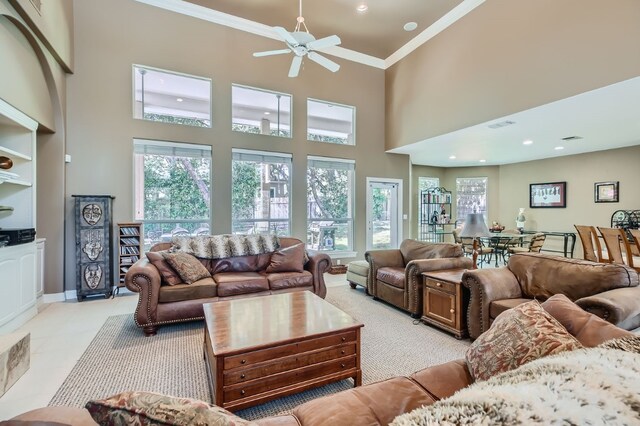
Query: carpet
(120, 358)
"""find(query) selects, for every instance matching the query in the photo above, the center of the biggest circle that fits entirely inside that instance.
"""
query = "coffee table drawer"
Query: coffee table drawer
(292, 362)
(251, 358)
(281, 380)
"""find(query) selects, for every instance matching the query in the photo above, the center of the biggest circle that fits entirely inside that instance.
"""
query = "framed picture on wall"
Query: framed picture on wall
(547, 195)
(606, 192)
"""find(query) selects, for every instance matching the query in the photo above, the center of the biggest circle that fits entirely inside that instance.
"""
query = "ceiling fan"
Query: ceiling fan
(302, 43)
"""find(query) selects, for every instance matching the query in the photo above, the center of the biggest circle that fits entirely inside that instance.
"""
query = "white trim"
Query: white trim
(399, 206)
(18, 116)
(258, 152)
(220, 18)
(337, 254)
(70, 294)
(183, 145)
(434, 29)
(331, 159)
(53, 297)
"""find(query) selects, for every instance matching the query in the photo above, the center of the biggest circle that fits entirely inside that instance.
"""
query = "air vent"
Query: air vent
(501, 124)
(572, 138)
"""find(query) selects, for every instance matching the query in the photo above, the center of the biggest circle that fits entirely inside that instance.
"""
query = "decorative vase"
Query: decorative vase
(5, 163)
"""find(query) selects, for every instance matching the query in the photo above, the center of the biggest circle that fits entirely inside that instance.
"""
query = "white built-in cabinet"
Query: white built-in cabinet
(18, 271)
(40, 266)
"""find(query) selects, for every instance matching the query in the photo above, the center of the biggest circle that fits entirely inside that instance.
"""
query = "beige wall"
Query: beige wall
(507, 56)
(101, 127)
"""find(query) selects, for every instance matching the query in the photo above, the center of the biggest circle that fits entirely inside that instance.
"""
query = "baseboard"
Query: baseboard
(53, 297)
(70, 294)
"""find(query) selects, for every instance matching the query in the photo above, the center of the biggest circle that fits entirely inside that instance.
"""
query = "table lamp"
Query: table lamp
(475, 227)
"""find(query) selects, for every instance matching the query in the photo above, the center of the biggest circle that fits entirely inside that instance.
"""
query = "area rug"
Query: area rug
(120, 358)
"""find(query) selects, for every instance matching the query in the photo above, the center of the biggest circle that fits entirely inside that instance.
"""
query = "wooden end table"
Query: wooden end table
(444, 301)
(261, 348)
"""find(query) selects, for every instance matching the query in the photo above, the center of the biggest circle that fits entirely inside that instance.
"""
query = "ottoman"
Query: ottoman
(358, 273)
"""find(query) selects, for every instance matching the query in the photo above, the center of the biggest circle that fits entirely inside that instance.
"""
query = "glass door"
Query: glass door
(384, 208)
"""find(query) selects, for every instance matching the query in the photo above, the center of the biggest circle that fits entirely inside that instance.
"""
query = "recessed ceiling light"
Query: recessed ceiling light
(483, 161)
(267, 113)
(452, 157)
(527, 142)
(410, 26)
(179, 99)
(558, 148)
(362, 8)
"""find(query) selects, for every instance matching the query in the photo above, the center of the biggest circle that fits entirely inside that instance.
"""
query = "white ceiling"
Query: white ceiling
(605, 118)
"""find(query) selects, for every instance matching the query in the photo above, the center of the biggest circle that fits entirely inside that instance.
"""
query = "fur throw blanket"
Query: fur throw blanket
(596, 386)
(222, 246)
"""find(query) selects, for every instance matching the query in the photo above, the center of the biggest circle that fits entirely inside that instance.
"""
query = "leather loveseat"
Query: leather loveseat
(231, 277)
(608, 290)
(379, 403)
(395, 275)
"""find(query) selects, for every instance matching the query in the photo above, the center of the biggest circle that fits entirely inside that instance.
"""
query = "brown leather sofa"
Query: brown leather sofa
(395, 275)
(608, 290)
(379, 403)
(233, 277)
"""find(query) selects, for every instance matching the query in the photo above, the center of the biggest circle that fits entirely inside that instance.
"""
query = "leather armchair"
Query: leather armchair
(607, 290)
(395, 275)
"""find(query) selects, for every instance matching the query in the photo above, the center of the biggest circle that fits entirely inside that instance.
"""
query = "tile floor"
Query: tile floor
(60, 333)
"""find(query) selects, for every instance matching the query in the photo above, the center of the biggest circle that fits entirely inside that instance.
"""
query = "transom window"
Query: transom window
(330, 203)
(171, 97)
(172, 184)
(260, 111)
(261, 192)
(330, 122)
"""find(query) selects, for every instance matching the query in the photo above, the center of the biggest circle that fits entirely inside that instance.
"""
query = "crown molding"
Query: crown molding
(220, 18)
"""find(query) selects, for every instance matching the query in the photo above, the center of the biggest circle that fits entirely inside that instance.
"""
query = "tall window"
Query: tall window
(425, 183)
(260, 111)
(171, 97)
(330, 122)
(330, 203)
(172, 184)
(471, 197)
(261, 192)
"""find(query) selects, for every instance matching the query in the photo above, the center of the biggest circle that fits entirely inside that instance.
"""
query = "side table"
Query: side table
(445, 301)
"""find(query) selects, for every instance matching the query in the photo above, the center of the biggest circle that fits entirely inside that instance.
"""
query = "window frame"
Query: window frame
(275, 92)
(353, 121)
(485, 213)
(178, 73)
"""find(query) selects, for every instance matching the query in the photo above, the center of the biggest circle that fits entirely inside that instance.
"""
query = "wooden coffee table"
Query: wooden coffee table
(261, 348)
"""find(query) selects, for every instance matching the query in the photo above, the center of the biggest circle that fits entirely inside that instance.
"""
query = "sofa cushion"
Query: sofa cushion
(589, 329)
(443, 380)
(517, 336)
(391, 275)
(233, 283)
(374, 404)
(187, 266)
(282, 280)
(148, 408)
(289, 259)
(499, 306)
(168, 275)
(200, 289)
(359, 267)
(413, 250)
(541, 276)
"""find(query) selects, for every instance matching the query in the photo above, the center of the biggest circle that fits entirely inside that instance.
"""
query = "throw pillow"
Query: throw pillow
(188, 267)
(148, 408)
(517, 336)
(168, 274)
(289, 259)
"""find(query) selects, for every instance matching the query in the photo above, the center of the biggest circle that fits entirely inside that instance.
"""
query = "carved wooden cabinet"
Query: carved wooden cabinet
(94, 253)
(445, 301)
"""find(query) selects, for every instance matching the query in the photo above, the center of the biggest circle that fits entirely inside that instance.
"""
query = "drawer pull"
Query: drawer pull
(342, 352)
(452, 310)
(342, 365)
(244, 361)
(242, 392)
(242, 376)
(344, 339)
(438, 284)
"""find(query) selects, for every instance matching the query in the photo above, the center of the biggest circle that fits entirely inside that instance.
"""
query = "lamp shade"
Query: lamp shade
(474, 226)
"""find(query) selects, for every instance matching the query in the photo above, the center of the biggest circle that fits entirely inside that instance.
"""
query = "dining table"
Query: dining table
(499, 243)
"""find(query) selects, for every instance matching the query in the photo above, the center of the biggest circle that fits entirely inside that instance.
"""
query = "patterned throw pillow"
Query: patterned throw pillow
(289, 259)
(147, 408)
(517, 336)
(168, 274)
(188, 267)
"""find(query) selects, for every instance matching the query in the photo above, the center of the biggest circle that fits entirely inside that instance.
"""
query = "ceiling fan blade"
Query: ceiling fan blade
(286, 36)
(323, 43)
(271, 52)
(295, 66)
(327, 63)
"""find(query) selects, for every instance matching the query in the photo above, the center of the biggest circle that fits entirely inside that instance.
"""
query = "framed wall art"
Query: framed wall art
(606, 192)
(548, 195)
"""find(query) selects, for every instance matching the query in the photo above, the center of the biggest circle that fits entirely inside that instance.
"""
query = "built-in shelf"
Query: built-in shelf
(13, 153)
(17, 182)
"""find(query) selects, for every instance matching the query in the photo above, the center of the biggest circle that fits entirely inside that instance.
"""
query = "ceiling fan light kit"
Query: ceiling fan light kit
(302, 43)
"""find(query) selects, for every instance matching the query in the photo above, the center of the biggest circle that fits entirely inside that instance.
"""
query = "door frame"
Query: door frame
(399, 216)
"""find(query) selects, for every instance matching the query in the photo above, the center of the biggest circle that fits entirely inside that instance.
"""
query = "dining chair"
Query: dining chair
(618, 247)
(535, 245)
(591, 248)
(483, 250)
(635, 233)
